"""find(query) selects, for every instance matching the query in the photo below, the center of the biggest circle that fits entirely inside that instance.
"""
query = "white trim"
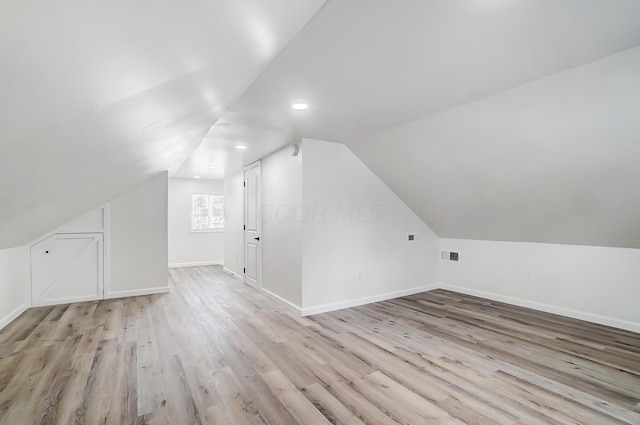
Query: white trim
(61, 301)
(13, 315)
(567, 312)
(195, 264)
(283, 301)
(252, 165)
(232, 273)
(28, 291)
(106, 252)
(71, 232)
(588, 317)
(137, 292)
(307, 311)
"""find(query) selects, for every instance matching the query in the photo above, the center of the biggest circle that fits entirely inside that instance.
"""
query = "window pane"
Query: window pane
(217, 215)
(207, 212)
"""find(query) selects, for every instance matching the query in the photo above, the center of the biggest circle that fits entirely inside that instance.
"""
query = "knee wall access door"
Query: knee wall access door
(67, 267)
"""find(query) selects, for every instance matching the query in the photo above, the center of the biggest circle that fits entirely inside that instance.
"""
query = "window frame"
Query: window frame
(209, 196)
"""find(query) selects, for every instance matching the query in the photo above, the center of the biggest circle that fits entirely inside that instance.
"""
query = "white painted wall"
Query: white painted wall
(188, 248)
(354, 234)
(14, 286)
(598, 284)
(233, 222)
(552, 161)
(281, 226)
(138, 240)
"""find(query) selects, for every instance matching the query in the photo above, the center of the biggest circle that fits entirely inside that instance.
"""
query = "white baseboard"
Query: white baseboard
(307, 311)
(232, 273)
(13, 315)
(137, 292)
(67, 301)
(282, 301)
(195, 264)
(575, 314)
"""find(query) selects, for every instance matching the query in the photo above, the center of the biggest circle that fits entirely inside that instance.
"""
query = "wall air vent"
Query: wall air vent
(450, 256)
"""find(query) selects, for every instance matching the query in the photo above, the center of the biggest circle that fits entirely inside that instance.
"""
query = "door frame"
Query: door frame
(256, 164)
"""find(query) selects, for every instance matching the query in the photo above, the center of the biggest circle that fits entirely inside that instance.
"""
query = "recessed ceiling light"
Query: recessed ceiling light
(196, 177)
(212, 167)
(300, 106)
(240, 147)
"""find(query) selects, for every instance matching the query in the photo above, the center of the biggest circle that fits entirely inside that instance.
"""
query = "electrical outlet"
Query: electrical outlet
(413, 237)
(359, 275)
(528, 276)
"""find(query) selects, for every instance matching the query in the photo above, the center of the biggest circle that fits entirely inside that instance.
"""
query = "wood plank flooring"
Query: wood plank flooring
(215, 351)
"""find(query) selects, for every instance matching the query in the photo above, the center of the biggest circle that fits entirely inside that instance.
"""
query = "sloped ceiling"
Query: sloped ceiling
(492, 119)
(96, 97)
(556, 160)
(499, 120)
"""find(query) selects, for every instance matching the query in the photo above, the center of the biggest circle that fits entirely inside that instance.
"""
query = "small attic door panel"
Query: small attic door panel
(67, 268)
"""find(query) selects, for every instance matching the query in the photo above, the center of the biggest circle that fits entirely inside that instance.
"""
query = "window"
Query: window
(206, 212)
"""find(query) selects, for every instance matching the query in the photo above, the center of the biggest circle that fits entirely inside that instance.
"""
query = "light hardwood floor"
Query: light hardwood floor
(214, 351)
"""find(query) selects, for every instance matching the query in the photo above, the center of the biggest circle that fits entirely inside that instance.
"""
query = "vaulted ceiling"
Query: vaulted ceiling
(500, 120)
(556, 160)
(96, 97)
(492, 119)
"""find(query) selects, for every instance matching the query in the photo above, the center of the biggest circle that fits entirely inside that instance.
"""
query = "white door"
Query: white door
(67, 268)
(252, 226)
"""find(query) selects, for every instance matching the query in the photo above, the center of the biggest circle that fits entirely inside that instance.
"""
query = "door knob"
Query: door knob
(257, 239)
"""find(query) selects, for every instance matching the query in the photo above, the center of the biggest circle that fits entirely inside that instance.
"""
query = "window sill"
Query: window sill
(208, 231)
